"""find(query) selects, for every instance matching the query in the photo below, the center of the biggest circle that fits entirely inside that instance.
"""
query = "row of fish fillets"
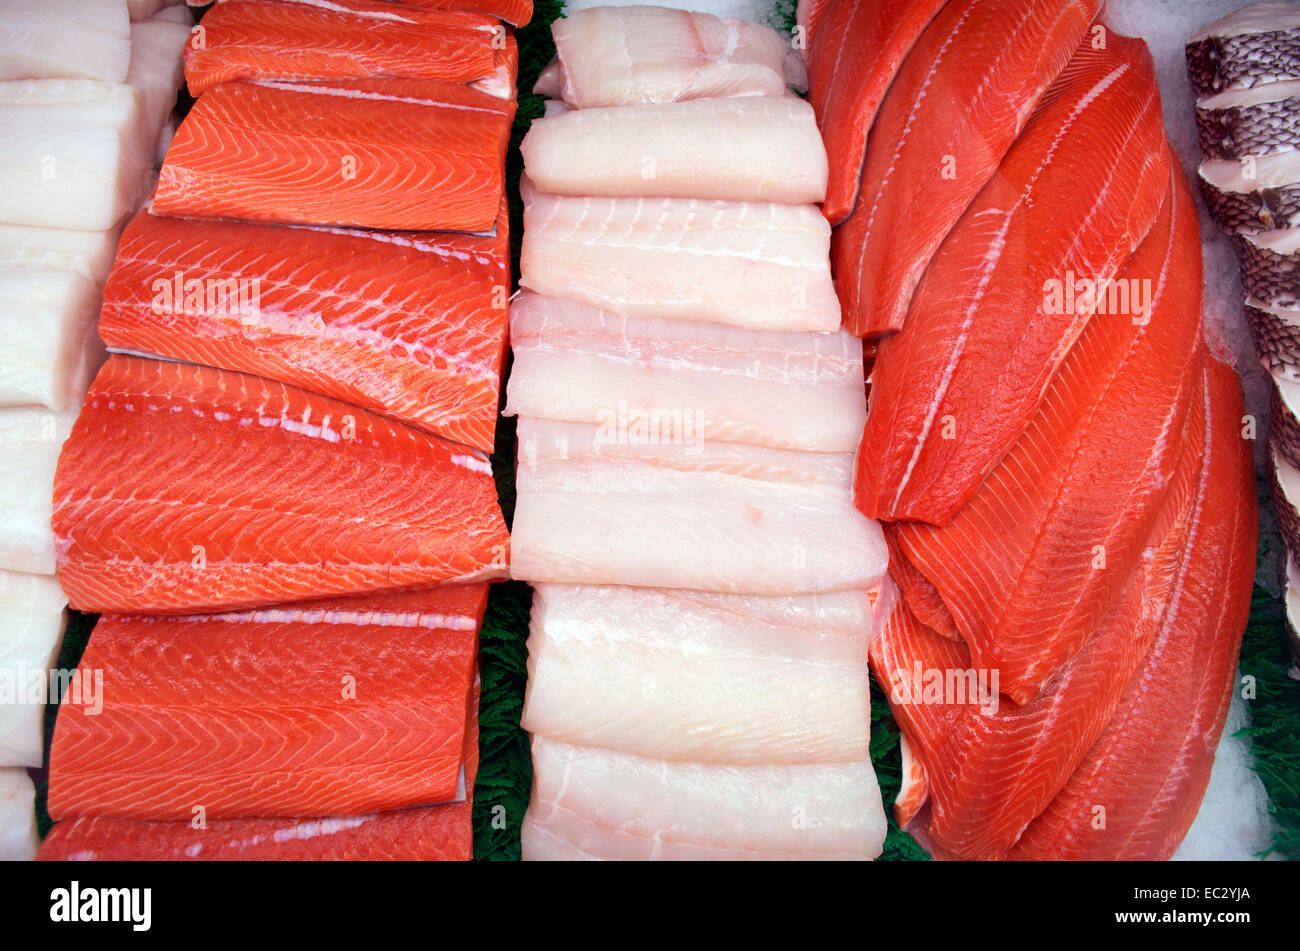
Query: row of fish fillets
(87, 88)
(687, 415)
(277, 492)
(1245, 70)
(1058, 454)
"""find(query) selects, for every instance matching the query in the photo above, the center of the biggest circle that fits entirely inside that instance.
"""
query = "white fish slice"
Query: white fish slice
(33, 609)
(47, 335)
(613, 505)
(30, 440)
(87, 253)
(158, 66)
(578, 363)
(753, 149)
(756, 265)
(74, 39)
(610, 805)
(18, 838)
(680, 676)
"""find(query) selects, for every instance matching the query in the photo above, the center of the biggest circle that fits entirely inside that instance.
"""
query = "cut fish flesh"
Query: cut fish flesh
(1255, 194)
(960, 100)
(1259, 121)
(349, 39)
(978, 351)
(617, 56)
(1270, 269)
(30, 439)
(342, 707)
(1256, 44)
(1031, 564)
(614, 805)
(751, 149)
(87, 253)
(756, 265)
(157, 67)
(1276, 330)
(853, 51)
(171, 496)
(34, 621)
(18, 837)
(581, 364)
(597, 508)
(409, 325)
(681, 675)
(70, 39)
(402, 154)
(47, 334)
(145, 9)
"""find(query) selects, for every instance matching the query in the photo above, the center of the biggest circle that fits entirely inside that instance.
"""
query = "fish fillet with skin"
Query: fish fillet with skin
(47, 334)
(1150, 768)
(409, 325)
(954, 389)
(514, 12)
(755, 265)
(172, 496)
(399, 154)
(341, 707)
(18, 837)
(577, 363)
(617, 56)
(622, 505)
(30, 440)
(72, 39)
(959, 101)
(612, 805)
(853, 50)
(347, 39)
(751, 149)
(1048, 540)
(32, 607)
(682, 675)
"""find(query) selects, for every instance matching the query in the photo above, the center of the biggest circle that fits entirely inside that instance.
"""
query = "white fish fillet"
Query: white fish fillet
(610, 56)
(754, 149)
(757, 265)
(30, 440)
(33, 609)
(47, 337)
(18, 838)
(74, 39)
(582, 364)
(599, 506)
(172, 9)
(613, 805)
(74, 153)
(679, 676)
(157, 67)
(88, 253)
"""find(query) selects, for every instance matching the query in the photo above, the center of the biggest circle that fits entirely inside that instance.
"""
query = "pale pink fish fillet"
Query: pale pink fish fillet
(615, 805)
(32, 607)
(610, 56)
(757, 265)
(650, 672)
(582, 364)
(752, 149)
(598, 505)
(157, 67)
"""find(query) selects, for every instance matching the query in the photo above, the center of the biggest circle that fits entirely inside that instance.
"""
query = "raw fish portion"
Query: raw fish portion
(650, 807)
(403, 154)
(615, 56)
(409, 325)
(18, 838)
(87, 253)
(340, 707)
(752, 149)
(578, 363)
(595, 507)
(853, 51)
(157, 67)
(685, 676)
(47, 336)
(172, 495)
(756, 265)
(953, 390)
(74, 153)
(515, 12)
(30, 440)
(351, 39)
(959, 101)
(73, 39)
(32, 608)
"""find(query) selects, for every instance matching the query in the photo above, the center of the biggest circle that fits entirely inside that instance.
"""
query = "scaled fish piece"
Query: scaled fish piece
(172, 496)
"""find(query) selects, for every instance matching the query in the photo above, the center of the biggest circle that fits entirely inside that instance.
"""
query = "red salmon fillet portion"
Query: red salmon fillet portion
(340, 707)
(854, 48)
(257, 39)
(960, 100)
(409, 325)
(1076, 194)
(400, 154)
(172, 495)
(514, 12)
